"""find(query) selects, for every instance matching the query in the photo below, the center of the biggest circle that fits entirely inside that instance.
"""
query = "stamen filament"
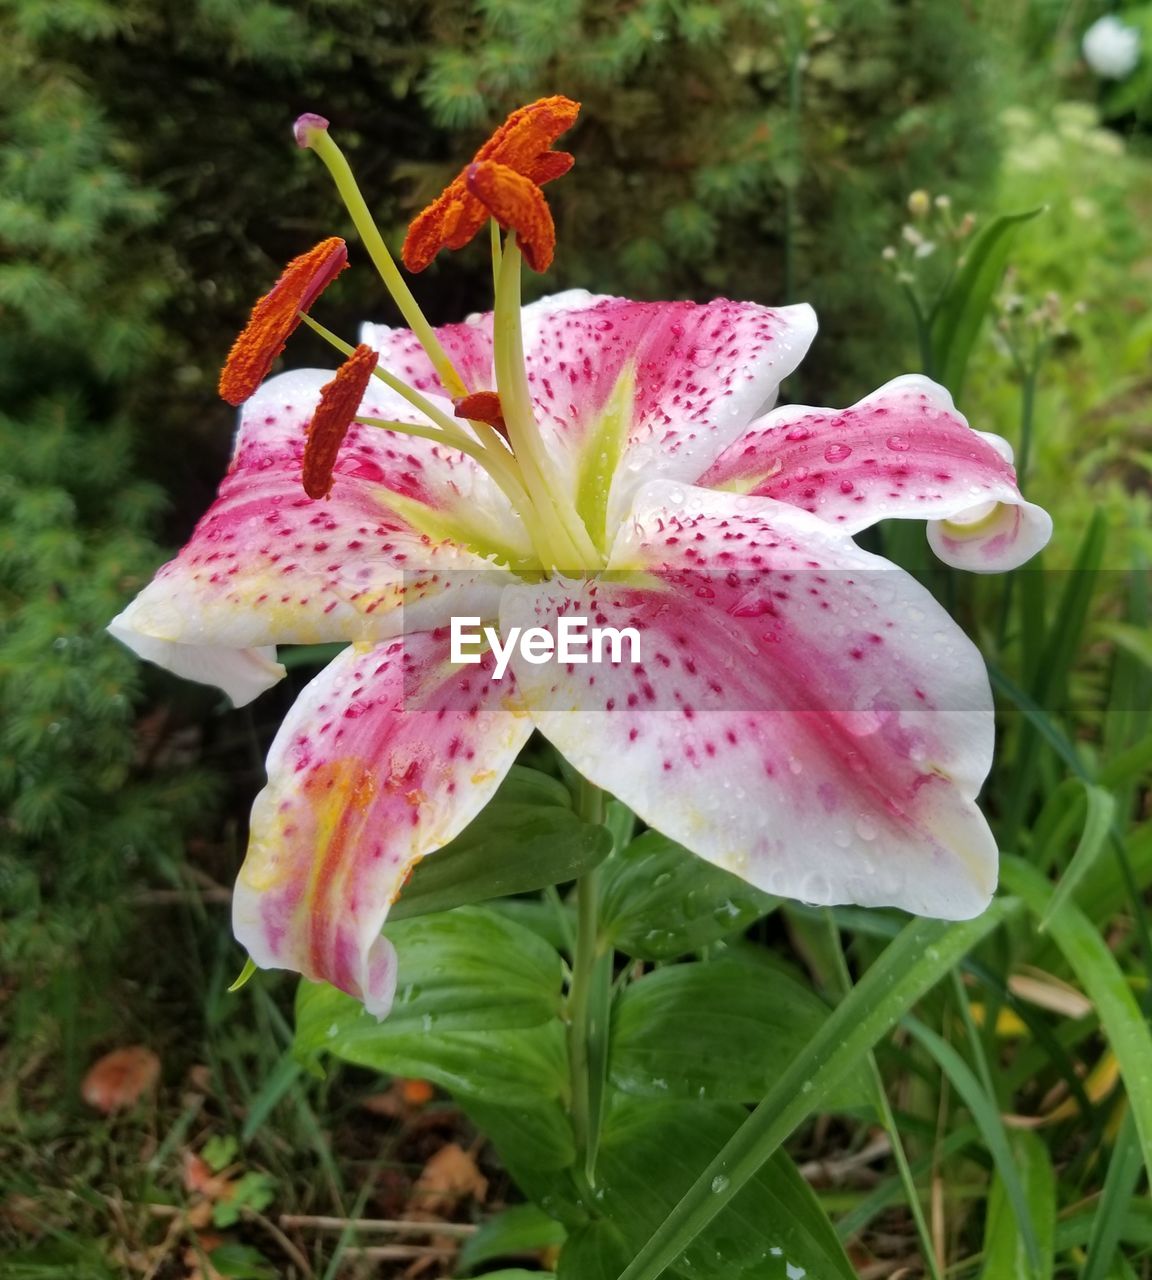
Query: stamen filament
(320, 141)
(497, 461)
(458, 440)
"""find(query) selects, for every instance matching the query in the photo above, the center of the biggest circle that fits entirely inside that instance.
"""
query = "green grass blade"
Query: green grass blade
(919, 957)
(956, 324)
(1119, 1184)
(987, 1117)
(1106, 985)
(1005, 1250)
(1101, 810)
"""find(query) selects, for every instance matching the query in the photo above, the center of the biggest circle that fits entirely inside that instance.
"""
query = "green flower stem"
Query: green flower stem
(321, 142)
(589, 993)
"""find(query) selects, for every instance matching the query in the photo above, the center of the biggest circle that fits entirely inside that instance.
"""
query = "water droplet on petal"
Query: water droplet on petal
(865, 827)
(898, 444)
(798, 433)
(837, 452)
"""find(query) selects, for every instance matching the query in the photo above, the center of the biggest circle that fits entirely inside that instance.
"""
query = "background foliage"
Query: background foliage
(148, 191)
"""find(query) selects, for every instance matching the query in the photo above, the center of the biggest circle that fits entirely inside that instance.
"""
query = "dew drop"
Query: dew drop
(719, 1184)
(837, 452)
(898, 444)
(865, 827)
(798, 433)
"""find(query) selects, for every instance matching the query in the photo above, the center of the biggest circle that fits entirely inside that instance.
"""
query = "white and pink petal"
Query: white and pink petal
(243, 674)
(626, 392)
(268, 565)
(804, 713)
(385, 757)
(903, 452)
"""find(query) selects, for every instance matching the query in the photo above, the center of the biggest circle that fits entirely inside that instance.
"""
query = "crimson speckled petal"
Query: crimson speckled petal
(268, 565)
(804, 713)
(903, 452)
(383, 758)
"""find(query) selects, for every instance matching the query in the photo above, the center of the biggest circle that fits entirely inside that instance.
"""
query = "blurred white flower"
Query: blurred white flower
(1111, 47)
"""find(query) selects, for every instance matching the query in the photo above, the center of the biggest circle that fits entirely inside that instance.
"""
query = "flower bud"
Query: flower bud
(919, 202)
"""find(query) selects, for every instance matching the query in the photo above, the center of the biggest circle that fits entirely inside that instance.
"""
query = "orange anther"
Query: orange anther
(482, 406)
(517, 204)
(521, 144)
(275, 317)
(339, 401)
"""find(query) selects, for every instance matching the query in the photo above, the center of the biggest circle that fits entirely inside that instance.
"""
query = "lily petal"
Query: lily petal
(269, 565)
(804, 713)
(628, 392)
(243, 674)
(384, 757)
(903, 452)
(624, 391)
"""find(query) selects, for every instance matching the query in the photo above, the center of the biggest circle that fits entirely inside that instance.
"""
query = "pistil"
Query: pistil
(570, 537)
(312, 132)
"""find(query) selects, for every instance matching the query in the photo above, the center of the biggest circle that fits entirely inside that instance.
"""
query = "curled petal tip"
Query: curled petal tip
(306, 125)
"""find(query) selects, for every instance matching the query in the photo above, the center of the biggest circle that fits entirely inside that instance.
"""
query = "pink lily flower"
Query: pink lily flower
(805, 714)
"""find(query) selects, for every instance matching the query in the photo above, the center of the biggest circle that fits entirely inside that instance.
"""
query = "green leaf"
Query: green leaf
(957, 322)
(1005, 1243)
(533, 1136)
(518, 1273)
(241, 1262)
(253, 1190)
(649, 1156)
(477, 999)
(1087, 954)
(472, 969)
(991, 1126)
(594, 1251)
(923, 952)
(1108, 1218)
(219, 1151)
(1101, 809)
(522, 1229)
(661, 901)
(721, 1030)
(526, 838)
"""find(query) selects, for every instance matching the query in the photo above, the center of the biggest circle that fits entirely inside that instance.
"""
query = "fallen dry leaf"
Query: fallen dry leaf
(449, 1176)
(121, 1078)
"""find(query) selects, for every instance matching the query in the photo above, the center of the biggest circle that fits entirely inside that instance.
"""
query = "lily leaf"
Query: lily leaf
(660, 901)
(957, 322)
(526, 838)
